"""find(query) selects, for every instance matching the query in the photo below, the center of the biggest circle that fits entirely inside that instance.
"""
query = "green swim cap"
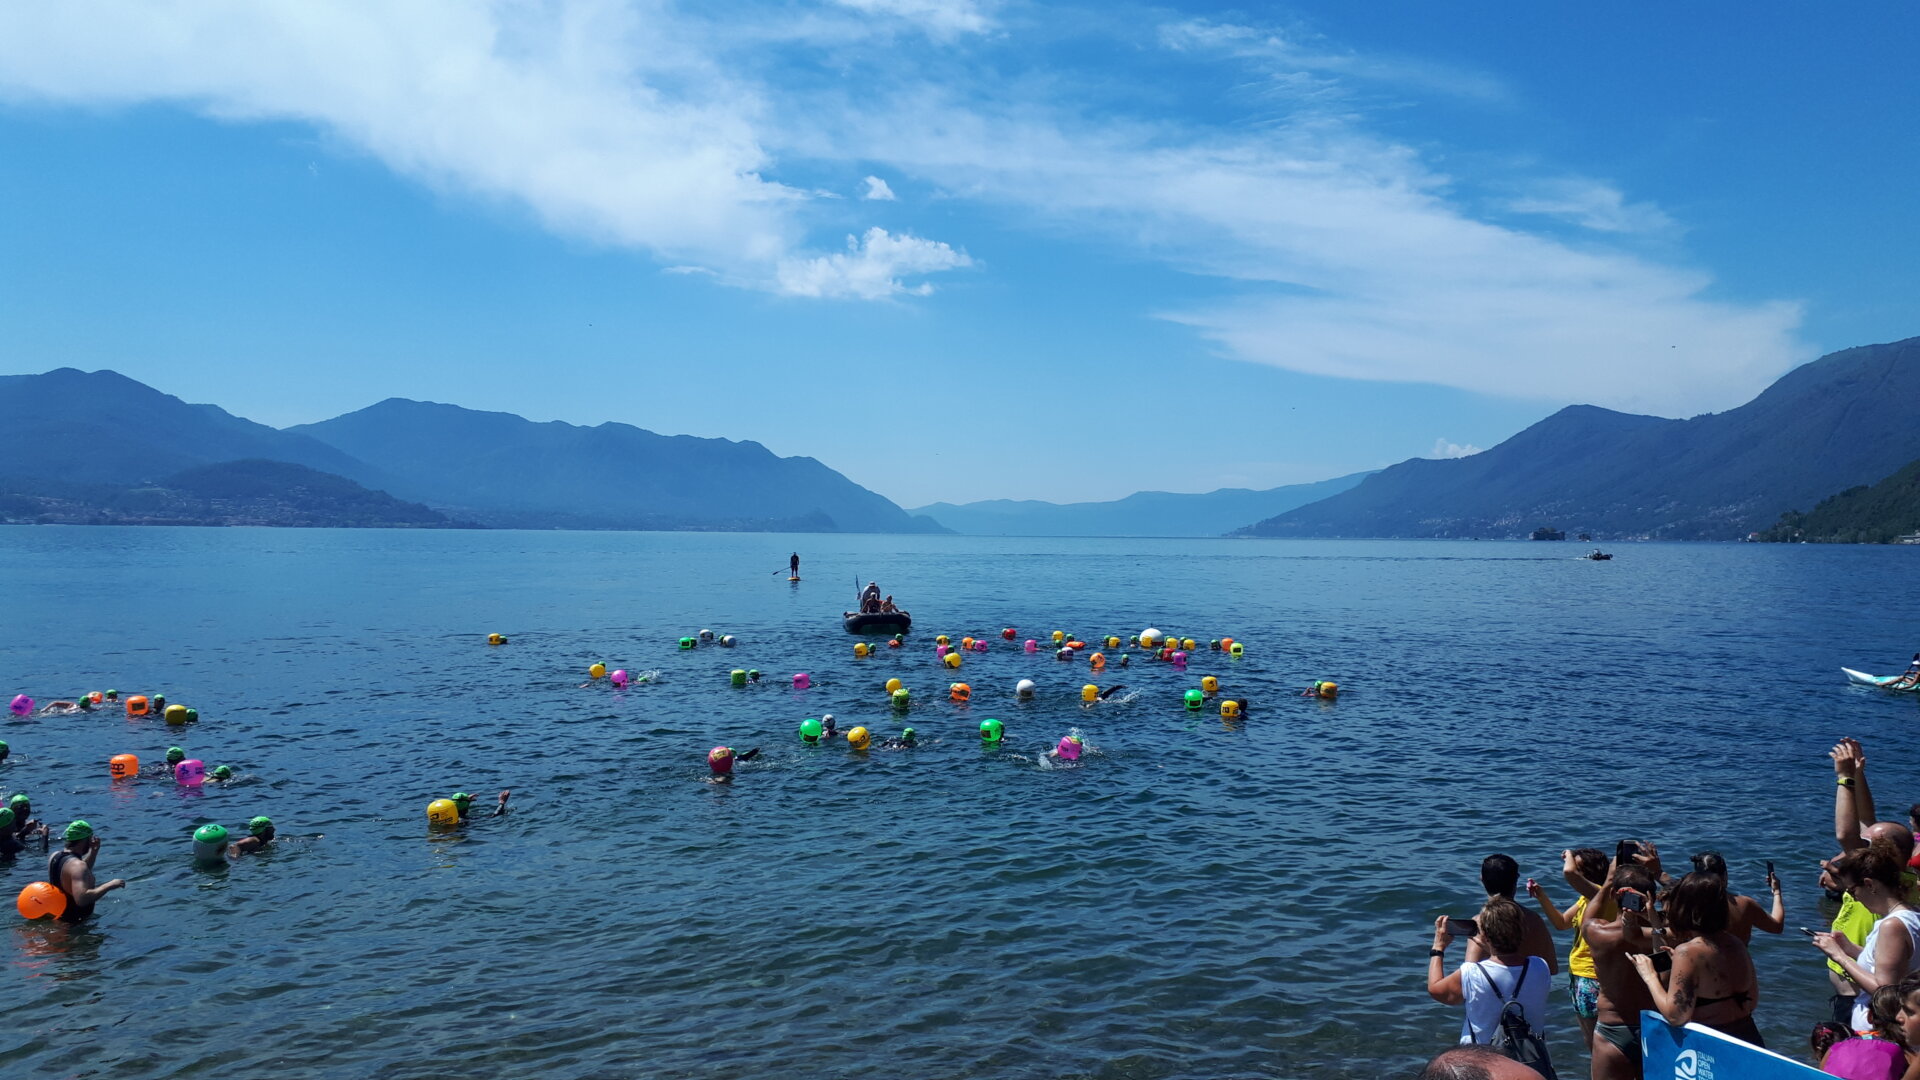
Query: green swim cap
(4, 749)
(193, 716)
(175, 755)
(18, 801)
(112, 694)
(259, 825)
(460, 799)
(991, 730)
(159, 700)
(6, 818)
(906, 736)
(79, 830)
(222, 772)
(210, 834)
(86, 703)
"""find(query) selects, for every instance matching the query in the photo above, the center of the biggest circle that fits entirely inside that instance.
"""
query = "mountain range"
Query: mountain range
(1843, 420)
(1144, 513)
(81, 438)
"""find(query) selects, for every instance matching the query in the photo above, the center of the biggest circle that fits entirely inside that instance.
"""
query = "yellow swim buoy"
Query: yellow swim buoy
(892, 685)
(442, 813)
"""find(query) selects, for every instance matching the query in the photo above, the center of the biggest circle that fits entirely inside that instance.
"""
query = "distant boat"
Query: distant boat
(1545, 533)
(1586, 536)
(877, 622)
(1597, 555)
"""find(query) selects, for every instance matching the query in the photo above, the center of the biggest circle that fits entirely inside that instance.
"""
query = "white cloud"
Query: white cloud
(871, 267)
(1590, 204)
(941, 18)
(877, 189)
(666, 128)
(1444, 449)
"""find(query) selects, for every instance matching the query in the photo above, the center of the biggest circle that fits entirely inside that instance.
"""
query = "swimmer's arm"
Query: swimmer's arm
(749, 755)
(500, 808)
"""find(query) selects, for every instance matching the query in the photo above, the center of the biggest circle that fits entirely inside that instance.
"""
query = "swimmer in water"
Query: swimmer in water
(462, 802)
(11, 843)
(24, 825)
(1112, 690)
(906, 740)
(60, 708)
(71, 870)
(827, 729)
(259, 835)
(175, 756)
(720, 760)
(221, 773)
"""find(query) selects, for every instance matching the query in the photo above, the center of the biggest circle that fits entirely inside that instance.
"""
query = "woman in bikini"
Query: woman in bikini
(1712, 981)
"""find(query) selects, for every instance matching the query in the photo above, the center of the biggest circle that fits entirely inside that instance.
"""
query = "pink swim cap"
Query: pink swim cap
(720, 760)
(1069, 748)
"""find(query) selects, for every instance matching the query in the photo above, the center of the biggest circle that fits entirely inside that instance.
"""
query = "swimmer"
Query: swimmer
(175, 756)
(260, 834)
(462, 801)
(906, 740)
(71, 870)
(720, 760)
(1112, 690)
(827, 730)
(11, 843)
(24, 825)
(1125, 660)
(60, 708)
(1245, 706)
(753, 676)
(221, 773)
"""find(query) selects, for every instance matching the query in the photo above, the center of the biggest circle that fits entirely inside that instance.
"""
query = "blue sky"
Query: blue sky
(964, 249)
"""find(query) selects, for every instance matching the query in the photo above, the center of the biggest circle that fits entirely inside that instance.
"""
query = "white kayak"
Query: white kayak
(1883, 682)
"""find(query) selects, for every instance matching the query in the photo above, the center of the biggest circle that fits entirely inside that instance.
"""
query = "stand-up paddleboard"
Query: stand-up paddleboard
(795, 577)
(1697, 1052)
(1882, 682)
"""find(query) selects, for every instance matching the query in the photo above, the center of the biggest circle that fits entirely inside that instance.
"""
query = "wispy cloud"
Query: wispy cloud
(877, 189)
(1445, 449)
(688, 135)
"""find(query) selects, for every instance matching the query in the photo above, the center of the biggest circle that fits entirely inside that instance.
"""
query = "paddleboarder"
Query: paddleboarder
(793, 567)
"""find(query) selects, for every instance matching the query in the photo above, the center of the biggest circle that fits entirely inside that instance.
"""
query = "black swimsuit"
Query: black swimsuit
(56, 869)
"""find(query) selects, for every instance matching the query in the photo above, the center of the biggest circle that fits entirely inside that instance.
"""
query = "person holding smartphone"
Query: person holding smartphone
(1485, 987)
(1614, 942)
(1744, 913)
(1872, 877)
(1712, 981)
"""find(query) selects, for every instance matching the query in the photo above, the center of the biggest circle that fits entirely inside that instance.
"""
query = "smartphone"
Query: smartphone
(1663, 961)
(1532, 884)
(1462, 928)
(1805, 931)
(1633, 901)
(1626, 851)
(1769, 867)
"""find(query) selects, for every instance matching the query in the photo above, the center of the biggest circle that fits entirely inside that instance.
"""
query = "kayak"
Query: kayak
(891, 622)
(1883, 682)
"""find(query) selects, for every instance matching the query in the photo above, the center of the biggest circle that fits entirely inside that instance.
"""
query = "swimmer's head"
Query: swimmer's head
(720, 760)
(175, 755)
(20, 805)
(827, 725)
(908, 736)
(753, 675)
(461, 801)
(159, 702)
(113, 695)
(857, 738)
(991, 731)
(77, 832)
(1069, 749)
(4, 750)
(6, 818)
(222, 772)
(85, 703)
(261, 827)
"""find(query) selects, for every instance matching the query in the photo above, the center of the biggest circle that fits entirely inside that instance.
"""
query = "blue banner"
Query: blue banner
(1701, 1053)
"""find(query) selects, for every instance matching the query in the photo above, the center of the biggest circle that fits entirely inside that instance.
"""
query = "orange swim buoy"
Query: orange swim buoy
(41, 900)
(137, 705)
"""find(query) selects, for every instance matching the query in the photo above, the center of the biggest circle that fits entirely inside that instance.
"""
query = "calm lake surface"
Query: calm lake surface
(1200, 899)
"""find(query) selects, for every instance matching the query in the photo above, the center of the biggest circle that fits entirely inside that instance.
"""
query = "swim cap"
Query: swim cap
(462, 800)
(810, 730)
(159, 700)
(260, 824)
(6, 817)
(79, 830)
(858, 738)
(907, 736)
(720, 760)
(85, 703)
(19, 801)
(4, 749)
(175, 755)
(753, 673)
(1069, 749)
(111, 694)
(210, 834)
(222, 772)
(991, 730)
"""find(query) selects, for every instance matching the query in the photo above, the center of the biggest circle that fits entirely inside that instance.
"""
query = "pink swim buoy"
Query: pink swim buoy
(21, 705)
(1069, 748)
(801, 681)
(191, 772)
(941, 650)
(619, 678)
(1032, 645)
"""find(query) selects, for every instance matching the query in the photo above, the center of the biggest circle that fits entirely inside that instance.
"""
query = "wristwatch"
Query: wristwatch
(1436, 952)
(1844, 781)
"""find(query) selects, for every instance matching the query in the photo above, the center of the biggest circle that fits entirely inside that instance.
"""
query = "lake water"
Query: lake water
(1201, 898)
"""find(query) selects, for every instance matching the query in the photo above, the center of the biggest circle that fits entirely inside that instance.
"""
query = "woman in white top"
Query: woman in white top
(1486, 987)
(1872, 875)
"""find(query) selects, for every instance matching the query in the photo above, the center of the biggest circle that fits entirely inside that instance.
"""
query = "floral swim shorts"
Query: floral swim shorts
(1586, 995)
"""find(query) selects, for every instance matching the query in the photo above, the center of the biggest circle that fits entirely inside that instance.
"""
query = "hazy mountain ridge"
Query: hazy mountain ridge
(1837, 422)
(1144, 513)
(245, 492)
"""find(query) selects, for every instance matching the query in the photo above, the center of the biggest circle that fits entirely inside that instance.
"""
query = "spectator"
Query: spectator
(1615, 943)
(1712, 981)
(1584, 869)
(1872, 877)
(1485, 987)
(1744, 913)
(1500, 876)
